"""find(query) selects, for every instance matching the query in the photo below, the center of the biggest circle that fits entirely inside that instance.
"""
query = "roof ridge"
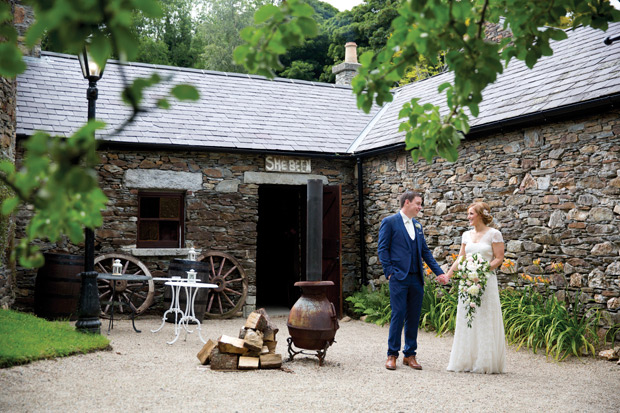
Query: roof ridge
(360, 138)
(204, 71)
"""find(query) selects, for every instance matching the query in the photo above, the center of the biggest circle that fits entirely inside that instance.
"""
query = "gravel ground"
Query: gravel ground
(143, 373)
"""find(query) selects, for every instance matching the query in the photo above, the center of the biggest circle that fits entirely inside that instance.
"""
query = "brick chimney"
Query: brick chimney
(495, 32)
(346, 71)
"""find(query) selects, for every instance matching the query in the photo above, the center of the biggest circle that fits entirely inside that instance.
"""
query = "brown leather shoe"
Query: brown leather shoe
(390, 364)
(411, 362)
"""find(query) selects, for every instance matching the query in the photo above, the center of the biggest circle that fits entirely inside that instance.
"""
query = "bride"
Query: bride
(480, 348)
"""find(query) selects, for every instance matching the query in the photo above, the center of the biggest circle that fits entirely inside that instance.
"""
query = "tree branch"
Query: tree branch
(480, 22)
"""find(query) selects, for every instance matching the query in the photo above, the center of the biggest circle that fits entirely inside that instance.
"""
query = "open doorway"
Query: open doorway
(281, 240)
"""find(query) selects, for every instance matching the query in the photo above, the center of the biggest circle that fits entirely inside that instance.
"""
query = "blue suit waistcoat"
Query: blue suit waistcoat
(395, 248)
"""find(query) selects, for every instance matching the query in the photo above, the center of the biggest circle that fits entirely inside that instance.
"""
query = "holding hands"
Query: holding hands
(443, 279)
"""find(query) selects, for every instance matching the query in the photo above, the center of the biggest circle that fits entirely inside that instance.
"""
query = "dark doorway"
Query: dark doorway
(281, 240)
(281, 246)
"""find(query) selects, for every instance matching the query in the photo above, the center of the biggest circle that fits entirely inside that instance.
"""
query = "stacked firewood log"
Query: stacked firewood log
(255, 348)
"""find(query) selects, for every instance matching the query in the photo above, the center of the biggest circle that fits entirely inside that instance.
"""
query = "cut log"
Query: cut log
(269, 334)
(270, 325)
(231, 345)
(252, 353)
(248, 363)
(205, 352)
(242, 332)
(253, 340)
(265, 350)
(223, 361)
(270, 361)
(256, 321)
(271, 345)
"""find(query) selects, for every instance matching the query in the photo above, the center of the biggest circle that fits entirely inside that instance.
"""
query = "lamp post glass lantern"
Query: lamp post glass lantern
(89, 307)
(90, 68)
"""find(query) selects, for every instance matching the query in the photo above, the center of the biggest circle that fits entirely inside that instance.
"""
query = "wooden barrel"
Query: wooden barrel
(57, 286)
(179, 268)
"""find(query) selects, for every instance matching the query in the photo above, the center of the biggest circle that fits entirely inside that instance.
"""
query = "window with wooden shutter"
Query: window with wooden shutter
(160, 219)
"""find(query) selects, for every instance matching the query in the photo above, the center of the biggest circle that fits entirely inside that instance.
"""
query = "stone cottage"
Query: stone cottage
(231, 170)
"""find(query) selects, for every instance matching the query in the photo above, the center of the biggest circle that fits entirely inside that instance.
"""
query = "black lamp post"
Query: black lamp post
(89, 307)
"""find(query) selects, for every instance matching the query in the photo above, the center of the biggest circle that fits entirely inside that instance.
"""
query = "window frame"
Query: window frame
(180, 220)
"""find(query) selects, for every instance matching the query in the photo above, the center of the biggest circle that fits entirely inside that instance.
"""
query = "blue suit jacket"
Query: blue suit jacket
(395, 248)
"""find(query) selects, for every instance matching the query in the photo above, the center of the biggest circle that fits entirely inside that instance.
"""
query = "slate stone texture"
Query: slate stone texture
(235, 111)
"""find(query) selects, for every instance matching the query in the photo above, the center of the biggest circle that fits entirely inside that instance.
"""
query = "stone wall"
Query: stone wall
(221, 214)
(7, 151)
(554, 191)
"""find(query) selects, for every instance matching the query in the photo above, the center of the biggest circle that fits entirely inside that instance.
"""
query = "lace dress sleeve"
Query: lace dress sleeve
(496, 236)
(465, 238)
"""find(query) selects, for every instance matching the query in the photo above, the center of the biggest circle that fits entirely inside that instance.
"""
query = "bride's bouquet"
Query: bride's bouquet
(472, 272)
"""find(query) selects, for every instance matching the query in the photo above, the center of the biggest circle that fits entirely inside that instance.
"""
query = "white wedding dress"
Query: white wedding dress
(481, 348)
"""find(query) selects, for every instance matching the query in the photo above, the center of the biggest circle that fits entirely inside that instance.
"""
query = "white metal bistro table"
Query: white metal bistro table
(174, 308)
(191, 288)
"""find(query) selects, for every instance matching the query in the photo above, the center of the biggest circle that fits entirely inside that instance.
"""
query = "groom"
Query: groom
(402, 251)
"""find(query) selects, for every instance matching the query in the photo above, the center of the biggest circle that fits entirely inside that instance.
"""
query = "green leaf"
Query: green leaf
(557, 34)
(149, 7)
(9, 205)
(11, 63)
(265, 13)
(531, 59)
(302, 10)
(185, 92)
(475, 111)
(163, 103)
(100, 49)
(444, 86)
(7, 167)
(366, 58)
(308, 26)
(240, 53)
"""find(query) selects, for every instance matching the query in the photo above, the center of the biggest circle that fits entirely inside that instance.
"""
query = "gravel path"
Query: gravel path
(143, 373)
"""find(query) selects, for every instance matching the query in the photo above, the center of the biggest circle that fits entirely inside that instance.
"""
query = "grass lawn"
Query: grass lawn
(25, 338)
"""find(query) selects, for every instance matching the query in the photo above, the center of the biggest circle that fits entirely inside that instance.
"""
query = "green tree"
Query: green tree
(367, 24)
(425, 29)
(219, 27)
(179, 32)
(167, 39)
(299, 69)
(57, 176)
(310, 60)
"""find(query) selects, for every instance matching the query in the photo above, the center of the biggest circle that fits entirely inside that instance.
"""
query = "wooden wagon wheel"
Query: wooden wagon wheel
(232, 285)
(143, 293)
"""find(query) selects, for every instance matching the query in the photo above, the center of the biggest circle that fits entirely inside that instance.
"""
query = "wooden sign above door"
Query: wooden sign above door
(286, 164)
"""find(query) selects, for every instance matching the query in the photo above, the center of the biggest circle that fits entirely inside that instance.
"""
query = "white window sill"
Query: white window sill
(160, 252)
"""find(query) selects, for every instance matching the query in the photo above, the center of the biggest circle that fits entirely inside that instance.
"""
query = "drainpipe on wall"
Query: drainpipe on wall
(360, 200)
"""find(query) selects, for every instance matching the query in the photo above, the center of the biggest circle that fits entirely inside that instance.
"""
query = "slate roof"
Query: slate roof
(235, 110)
(581, 68)
(252, 113)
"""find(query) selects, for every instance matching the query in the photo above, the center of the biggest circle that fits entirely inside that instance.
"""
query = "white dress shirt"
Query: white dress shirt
(408, 225)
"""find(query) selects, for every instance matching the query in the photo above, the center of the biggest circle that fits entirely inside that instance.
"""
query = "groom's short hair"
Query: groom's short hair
(410, 195)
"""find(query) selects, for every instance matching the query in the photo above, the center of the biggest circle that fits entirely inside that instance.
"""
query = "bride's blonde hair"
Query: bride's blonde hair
(482, 209)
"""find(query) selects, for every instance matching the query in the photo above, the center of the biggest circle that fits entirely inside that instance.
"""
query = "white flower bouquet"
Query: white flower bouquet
(472, 273)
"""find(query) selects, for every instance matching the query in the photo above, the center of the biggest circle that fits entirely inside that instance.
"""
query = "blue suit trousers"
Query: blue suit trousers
(406, 302)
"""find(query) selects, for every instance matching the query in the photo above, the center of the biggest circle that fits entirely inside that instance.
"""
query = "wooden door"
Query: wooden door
(332, 267)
